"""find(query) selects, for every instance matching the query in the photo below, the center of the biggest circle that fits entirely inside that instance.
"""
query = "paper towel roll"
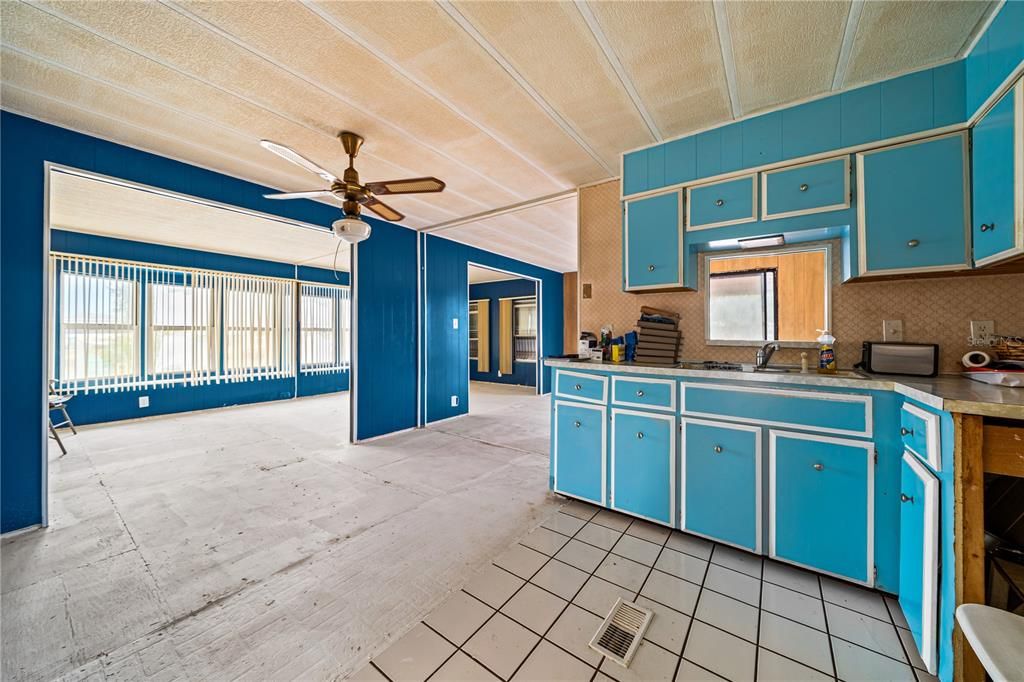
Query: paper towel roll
(976, 358)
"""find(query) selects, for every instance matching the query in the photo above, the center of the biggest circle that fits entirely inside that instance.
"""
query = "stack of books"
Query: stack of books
(659, 337)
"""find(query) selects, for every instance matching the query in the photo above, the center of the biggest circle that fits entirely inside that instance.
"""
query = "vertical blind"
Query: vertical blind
(119, 325)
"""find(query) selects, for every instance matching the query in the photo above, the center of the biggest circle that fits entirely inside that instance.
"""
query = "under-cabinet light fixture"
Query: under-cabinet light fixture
(758, 242)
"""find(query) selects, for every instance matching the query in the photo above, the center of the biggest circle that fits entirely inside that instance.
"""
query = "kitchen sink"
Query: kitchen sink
(716, 366)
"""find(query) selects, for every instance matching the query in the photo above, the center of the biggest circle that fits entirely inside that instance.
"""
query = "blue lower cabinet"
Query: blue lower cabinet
(919, 556)
(643, 464)
(721, 482)
(580, 446)
(820, 500)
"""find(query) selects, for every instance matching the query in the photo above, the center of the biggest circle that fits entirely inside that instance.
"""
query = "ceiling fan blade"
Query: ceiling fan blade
(406, 186)
(312, 194)
(298, 159)
(382, 209)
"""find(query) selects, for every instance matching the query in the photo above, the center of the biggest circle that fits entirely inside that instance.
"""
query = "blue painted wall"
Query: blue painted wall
(997, 53)
(27, 145)
(523, 373)
(446, 283)
(93, 408)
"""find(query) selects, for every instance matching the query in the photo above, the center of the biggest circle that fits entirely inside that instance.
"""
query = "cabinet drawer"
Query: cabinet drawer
(821, 504)
(652, 242)
(578, 386)
(643, 464)
(721, 482)
(721, 203)
(807, 188)
(579, 441)
(654, 394)
(841, 413)
(919, 430)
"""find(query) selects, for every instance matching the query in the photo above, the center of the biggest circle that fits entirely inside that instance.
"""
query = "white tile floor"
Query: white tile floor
(720, 613)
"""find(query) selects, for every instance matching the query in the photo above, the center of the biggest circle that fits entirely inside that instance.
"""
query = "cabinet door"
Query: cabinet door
(721, 473)
(807, 188)
(919, 536)
(997, 160)
(913, 210)
(643, 464)
(580, 443)
(652, 242)
(820, 503)
(722, 203)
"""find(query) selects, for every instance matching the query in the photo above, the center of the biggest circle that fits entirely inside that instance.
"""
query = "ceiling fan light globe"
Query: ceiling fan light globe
(350, 229)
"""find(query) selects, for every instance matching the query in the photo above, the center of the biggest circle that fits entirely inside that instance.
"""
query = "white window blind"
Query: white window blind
(98, 307)
(258, 328)
(324, 324)
(182, 330)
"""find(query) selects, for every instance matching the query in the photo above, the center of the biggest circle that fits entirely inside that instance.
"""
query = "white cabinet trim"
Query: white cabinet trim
(671, 407)
(930, 563)
(756, 430)
(690, 227)
(933, 454)
(845, 203)
(671, 419)
(604, 452)
(679, 231)
(865, 400)
(593, 377)
(773, 477)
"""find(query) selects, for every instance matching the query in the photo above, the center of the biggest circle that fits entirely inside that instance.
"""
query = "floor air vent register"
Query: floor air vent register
(621, 632)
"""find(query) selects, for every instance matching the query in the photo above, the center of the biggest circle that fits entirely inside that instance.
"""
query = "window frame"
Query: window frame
(523, 302)
(340, 330)
(212, 328)
(474, 332)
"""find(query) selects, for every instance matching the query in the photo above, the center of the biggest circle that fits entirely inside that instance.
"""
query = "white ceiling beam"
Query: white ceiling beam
(476, 35)
(846, 48)
(613, 59)
(728, 61)
(979, 29)
(494, 212)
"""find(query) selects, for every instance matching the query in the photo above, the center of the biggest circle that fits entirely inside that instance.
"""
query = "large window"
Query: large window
(258, 328)
(324, 321)
(743, 306)
(524, 329)
(474, 330)
(182, 331)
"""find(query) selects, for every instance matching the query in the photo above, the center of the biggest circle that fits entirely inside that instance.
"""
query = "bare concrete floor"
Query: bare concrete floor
(257, 542)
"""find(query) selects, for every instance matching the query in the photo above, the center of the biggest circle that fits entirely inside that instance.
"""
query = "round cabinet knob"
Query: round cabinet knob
(906, 498)
(718, 449)
(819, 467)
(639, 435)
(988, 227)
(577, 423)
(719, 202)
(639, 394)
(904, 431)
(803, 187)
(650, 268)
(912, 243)
(578, 387)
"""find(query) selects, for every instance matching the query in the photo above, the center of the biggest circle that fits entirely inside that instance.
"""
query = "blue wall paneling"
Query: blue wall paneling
(523, 373)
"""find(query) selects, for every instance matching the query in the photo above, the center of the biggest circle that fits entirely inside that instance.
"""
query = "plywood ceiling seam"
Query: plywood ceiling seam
(613, 59)
(565, 125)
(846, 49)
(728, 59)
(414, 139)
(424, 87)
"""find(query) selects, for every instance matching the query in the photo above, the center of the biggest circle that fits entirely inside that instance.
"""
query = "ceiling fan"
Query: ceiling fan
(348, 191)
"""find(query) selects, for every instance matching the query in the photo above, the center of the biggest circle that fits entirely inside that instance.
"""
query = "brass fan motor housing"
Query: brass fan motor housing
(351, 142)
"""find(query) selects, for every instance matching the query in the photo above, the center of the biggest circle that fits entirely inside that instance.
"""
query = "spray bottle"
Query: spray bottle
(826, 353)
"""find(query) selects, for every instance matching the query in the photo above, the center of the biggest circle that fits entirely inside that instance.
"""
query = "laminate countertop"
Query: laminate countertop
(948, 392)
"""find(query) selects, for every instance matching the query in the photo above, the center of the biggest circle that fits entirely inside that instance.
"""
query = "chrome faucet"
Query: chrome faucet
(764, 354)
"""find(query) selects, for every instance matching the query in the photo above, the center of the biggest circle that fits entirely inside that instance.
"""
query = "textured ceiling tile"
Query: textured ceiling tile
(895, 37)
(684, 89)
(424, 40)
(784, 51)
(550, 45)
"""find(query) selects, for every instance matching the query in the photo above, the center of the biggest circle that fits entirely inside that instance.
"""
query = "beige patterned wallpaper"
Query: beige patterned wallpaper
(932, 310)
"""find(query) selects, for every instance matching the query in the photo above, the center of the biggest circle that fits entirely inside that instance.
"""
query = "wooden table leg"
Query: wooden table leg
(969, 534)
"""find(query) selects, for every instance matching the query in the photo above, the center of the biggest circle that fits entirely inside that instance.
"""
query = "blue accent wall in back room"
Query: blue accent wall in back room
(91, 408)
(446, 283)
(27, 146)
(523, 373)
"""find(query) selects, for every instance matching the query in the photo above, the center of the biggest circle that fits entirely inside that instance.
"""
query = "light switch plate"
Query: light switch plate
(982, 330)
(892, 330)
(455, 323)
(455, 401)
(143, 401)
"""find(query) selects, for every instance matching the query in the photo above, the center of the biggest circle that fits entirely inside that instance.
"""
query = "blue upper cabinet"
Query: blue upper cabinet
(634, 172)
(728, 202)
(653, 242)
(919, 556)
(913, 210)
(997, 54)
(807, 188)
(997, 160)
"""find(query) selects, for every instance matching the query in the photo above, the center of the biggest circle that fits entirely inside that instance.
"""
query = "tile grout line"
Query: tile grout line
(696, 604)
(831, 649)
(760, 610)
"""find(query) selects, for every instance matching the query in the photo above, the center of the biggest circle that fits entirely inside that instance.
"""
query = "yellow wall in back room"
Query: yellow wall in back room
(933, 310)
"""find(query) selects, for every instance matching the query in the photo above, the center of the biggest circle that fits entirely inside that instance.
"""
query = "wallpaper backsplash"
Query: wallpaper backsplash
(933, 310)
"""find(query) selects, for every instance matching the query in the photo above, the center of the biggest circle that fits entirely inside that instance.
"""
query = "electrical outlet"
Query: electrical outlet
(455, 401)
(892, 330)
(982, 330)
(455, 323)
(143, 401)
